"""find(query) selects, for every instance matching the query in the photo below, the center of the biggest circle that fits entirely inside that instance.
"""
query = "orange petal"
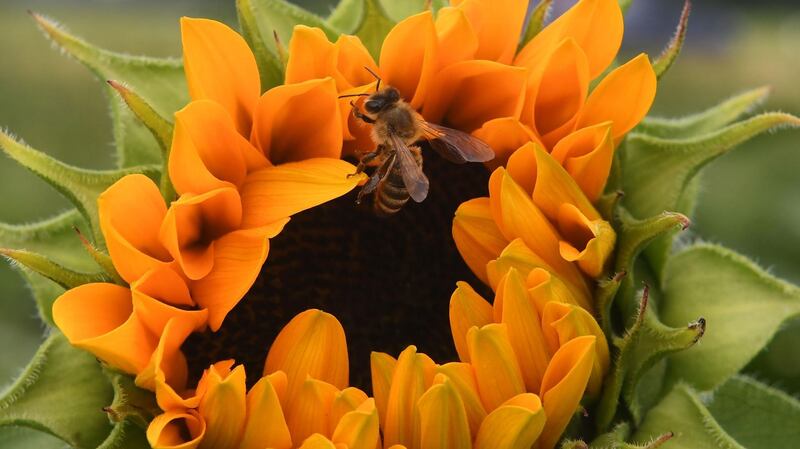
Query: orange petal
(220, 67)
(554, 187)
(276, 193)
(358, 429)
(476, 235)
(167, 371)
(467, 309)
(207, 152)
(623, 97)
(563, 386)
(596, 25)
(382, 368)
(504, 135)
(192, 224)
(516, 424)
(169, 430)
(522, 166)
(312, 345)
(344, 402)
(353, 58)
(131, 212)
(498, 25)
(162, 295)
(524, 329)
(588, 242)
(265, 426)
(298, 121)
(224, 408)
(443, 420)
(308, 409)
(408, 57)
(238, 257)
(312, 56)
(563, 322)
(497, 371)
(408, 384)
(587, 154)
(462, 376)
(99, 318)
(518, 256)
(318, 441)
(545, 287)
(456, 35)
(459, 96)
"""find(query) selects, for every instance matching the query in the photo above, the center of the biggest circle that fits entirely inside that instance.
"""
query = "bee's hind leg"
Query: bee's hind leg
(365, 159)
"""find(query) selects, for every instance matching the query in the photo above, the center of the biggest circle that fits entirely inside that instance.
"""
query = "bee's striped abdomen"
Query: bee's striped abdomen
(391, 194)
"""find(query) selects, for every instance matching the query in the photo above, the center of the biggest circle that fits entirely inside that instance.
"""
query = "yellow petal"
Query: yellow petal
(443, 421)
(524, 329)
(318, 441)
(544, 287)
(169, 430)
(220, 67)
(298, 121)
(312, 56)
(408, 384)
(587, 154)
(99, 318)
(563, 322)
(162, 295)
(505, 135)
(265, 426)
(516, 424)
(408, 57)
(359, 429)
(166, 372)
(344, 402)
(554, 187)
(497, 371)
(312, 345)
(467, 309)
(518, 256)
(224, 409)
(353, 58)
(308, 409)
(588, 242)
(462, 377)
(596, 25)
(207, 151)
(476, 235)
(382, 368)
(498, 25)
(459, 97)
(131, 212)
(456, 35)
(623, 97)
(522, 166)
(563, 386)
(276, 193)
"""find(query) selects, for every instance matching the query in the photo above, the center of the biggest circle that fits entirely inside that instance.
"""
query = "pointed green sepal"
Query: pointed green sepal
(673, 49)
(160, 82)
(80, 186)
(130, 402)
(375, 25)
(62, 392)
(102, 259)
(616, 439)
(270, 68)
(646, 342)
(55, 272)
(536, 21)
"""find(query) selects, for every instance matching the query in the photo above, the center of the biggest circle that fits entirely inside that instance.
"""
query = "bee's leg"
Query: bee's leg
(417, 153)
(369, 187)
(360, 115)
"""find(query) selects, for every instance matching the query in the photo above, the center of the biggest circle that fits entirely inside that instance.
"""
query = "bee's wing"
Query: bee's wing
(415, 180)
(456, 146)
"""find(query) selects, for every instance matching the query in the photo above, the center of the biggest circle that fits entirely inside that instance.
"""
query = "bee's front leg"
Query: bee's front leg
(360, 115)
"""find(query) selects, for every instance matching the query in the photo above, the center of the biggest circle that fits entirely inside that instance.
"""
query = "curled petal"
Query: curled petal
(505, 135)
(588, 242)
(522, 166)
(298, 121)
(623, 97)
(460, 98)
(587, 154)
(162, 295)
(167, 371)
(312, 56)
(516, 424)
(498, 26)
(344, 402)
(353, 58)
(408, 385)
(131, 212)
(99, 318)
(265, 426)
(497, 371)
(555, 187)
(220, 67)
(408, 57)
(358, 429)
(312, 345)
(545, 287)
(467, 309)
(443, 421)
(382, 368)
(563, 385)
(462, 377)
(308, 409)
(456, 35)
(169, 430)
(517, 256)
(224, 408)
(477, 236)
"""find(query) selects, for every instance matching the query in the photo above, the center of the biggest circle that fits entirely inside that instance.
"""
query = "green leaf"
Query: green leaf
(44, 292)
(535, 21)
(615, 439)
(397, 11)
(756, 415)
(280, 16)
(270, 67)
(130, 403)
(126, 435)
(707, 121)
(673, 49)
(374, 27)
(62, 392)
(347, 16)
(54, 236)
(54, 271)
(25, 438)
(743, 304)
(80, 186)
(160, 82)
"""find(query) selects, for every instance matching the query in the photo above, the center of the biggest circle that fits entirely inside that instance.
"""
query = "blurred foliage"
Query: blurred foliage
(749, 202)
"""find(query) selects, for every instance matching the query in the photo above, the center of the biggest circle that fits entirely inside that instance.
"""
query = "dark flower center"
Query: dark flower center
(387, 280)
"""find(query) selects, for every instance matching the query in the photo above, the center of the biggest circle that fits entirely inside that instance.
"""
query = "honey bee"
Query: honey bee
(398, 130)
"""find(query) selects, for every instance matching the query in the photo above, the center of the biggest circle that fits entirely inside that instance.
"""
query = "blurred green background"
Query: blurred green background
(750, 199)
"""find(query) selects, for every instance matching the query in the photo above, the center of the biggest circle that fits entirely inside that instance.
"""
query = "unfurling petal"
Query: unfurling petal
(167, 371)
(456, 35)
(220, 67)
(359, 428)
(169, 430)
(587, 154)
(312, 56)
(498, 25)
(467, 309)
(514, 425)
(497, 371)
(162, 295)
(131, 212)
(555, 187)
(505, 135)
(99, 318)
(299, 121)
(563, 385)
(522, 166)
(588, 242)
(443, 421)
(224, 408)
(382, 368)
(266, 425)
(344, 402)
(312, 345)
(318, 441)
(545, 287)
(353, 58)
(408, 385)
(462, 377)
(518, 256)
(476, 235)
(623, 97)
(408, 57)
(308, 409)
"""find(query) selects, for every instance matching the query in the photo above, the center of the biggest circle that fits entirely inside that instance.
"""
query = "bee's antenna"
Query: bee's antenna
(354, 95)
(377, 86)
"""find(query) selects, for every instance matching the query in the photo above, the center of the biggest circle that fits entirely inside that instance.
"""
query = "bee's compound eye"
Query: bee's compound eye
(373, 106)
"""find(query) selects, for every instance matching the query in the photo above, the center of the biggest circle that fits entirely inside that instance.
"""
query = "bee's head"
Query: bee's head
(381, 100)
